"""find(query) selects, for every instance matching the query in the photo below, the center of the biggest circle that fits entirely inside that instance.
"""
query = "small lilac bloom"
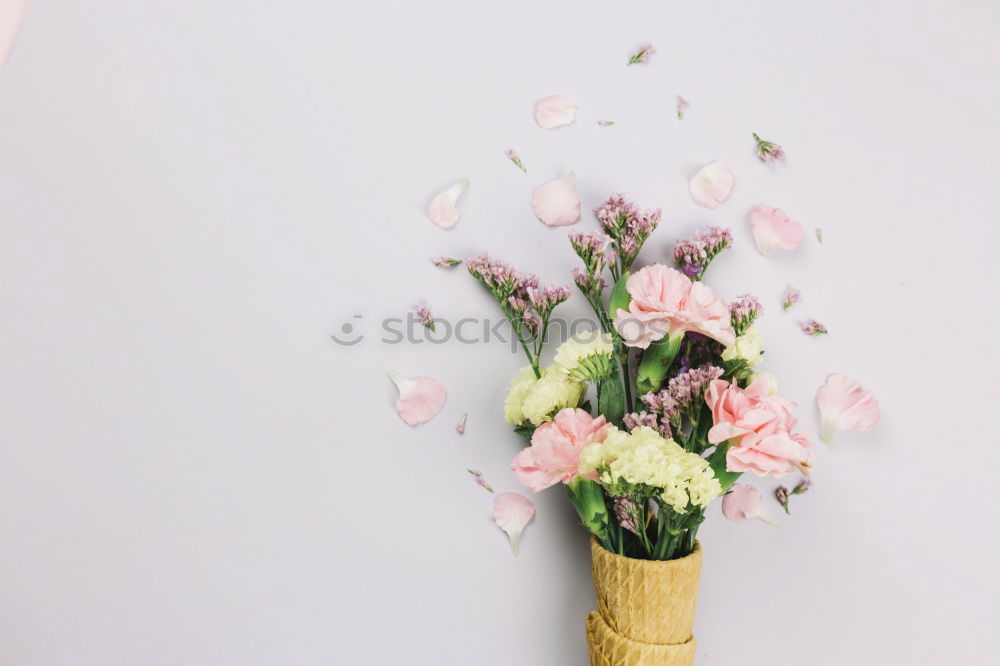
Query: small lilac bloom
(682, 106)
(479, 479)
(768, 151)
(516, 159)
(460, 427)
(792, 296)
(605, 123)
(426, 318)
(446, 262)
(813, 327)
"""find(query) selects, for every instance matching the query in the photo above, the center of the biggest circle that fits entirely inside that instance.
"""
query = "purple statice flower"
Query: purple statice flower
(591, 248)
(516, 159)
(743, 312)
(605, 123)
(532, 323)
(648, 419)
(588, 283)
(500, 278)
(642, 55)
(768, 151)
(682, 107)
(424, 312)
(683, 396)
(792, 296)
(783, 494)
(544, 300)
(628, 228)
(460, 426)
(626, 512)
(813, 327)
(694, 255)
(478, 476)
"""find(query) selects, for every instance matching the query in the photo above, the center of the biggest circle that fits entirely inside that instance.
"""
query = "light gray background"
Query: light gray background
(195, 195)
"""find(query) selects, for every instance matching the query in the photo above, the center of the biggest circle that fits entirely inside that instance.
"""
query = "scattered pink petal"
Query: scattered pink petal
(605, 123)
(792, 296)
(426, 318)
(845, 405)
(446, 262)
(420, 399)
(744, 503)
(642, 55)
(516, 159)
(443, 210)
(555, 111)
(11, 12)
(511, 512)
(712, 185)
(555, 203)
(819, 235)
(772, 229)
(682, 107)
(479, 478)
(460, 427)
(814, 328)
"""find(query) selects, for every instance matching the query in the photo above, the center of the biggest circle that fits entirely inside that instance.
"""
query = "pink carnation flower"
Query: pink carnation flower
(666, 303)
(554, 454)
(758, 427)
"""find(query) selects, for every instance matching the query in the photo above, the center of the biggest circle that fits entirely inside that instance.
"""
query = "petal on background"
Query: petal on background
(772, 229)
(555, 203)
(555, 111)
(443, 210)
(11, 12)
(420, 399)
(744, 503)
(845, 405)
(712, 185)
(511, 512)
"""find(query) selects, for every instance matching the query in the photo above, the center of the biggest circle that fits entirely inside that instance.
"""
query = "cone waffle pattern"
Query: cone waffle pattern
(645, 609)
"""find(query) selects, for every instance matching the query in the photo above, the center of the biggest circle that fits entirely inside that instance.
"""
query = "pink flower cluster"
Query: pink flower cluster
(627, 226)
(554, 454)
(743, 312)
(681, 398)
(666, 303)
(758, 427)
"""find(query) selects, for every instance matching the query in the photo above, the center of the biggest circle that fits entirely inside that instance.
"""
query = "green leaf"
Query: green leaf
(718, 463)
(611, 398)
(620, 297)
(526, 430)
(656, 362)
(588, 499)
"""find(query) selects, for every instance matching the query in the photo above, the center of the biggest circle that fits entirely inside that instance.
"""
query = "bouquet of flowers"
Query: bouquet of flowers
(680, 414)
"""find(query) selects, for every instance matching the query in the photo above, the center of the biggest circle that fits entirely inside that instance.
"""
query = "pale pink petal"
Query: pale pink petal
(11, 12)
(511, 512)
(443, 210)
(845, 405)
(712, 185)
(555, 111)
(744, 503)
(420, 399)
(555, 203)
(772, 229)
(460, 426)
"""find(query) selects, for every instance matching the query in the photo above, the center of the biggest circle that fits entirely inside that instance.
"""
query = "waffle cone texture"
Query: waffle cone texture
(645, 610)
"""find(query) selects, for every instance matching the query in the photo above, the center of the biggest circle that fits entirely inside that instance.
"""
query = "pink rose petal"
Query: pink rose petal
(712, 185)
(555, 203)
(11, 12)
(744, 503)
(772, 229)
(443, 210)
(845, 405)
(420, 399)
(555, 111)
(511, 512)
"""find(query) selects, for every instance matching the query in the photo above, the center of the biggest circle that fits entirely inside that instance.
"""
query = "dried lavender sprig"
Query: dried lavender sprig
(642, 55)
(743, 312)
(445, 262)
(627, 513)
(768, 151)
(813, 327)
(516, 159)
(792, 296)
(694, 255)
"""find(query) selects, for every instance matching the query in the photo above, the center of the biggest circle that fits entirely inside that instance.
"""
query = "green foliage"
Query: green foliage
(718, 463)
(611, 398)
(620, 298)
(656, 362)
(588, 499)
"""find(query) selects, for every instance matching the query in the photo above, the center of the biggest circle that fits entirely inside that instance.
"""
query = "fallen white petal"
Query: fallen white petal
(555, 203)
(443, 210)
(712, 185)
(555, 111)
